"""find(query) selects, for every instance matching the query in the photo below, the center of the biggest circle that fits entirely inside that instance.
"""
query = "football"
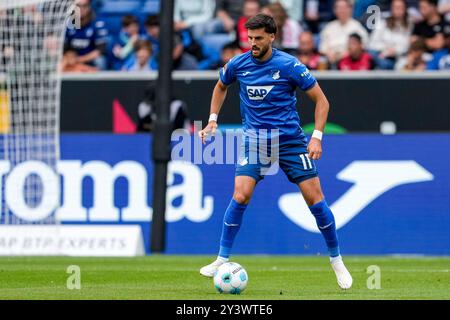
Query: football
(230, 278)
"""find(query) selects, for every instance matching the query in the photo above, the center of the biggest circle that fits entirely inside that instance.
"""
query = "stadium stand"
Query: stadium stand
(388, 40)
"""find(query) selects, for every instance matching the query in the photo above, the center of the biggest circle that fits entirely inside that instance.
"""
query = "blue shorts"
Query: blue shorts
(291, 156)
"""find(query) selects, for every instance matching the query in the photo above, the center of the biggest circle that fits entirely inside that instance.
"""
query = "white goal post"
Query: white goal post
(31, 44)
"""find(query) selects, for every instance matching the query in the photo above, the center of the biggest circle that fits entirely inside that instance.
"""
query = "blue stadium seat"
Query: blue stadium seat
(112, 12)
(113, 23)
(151, 7)
(120, 7)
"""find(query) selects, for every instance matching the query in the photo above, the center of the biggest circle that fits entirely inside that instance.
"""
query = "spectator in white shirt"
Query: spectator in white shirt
(334, 37)
(294, 8)
(194, 15)
(289, 30)
(391, 37)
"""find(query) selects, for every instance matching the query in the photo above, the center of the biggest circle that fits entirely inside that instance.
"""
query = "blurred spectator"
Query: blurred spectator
(147, 112)
(390, 39)
(289, 30)
(142, 59)
(70, 62)
(441, 58)
(334, 37)
(181, 60)
(412, 7)
(413, 10)
(432, 27)
(357, 58)
(317, 13)
(51, 45)
(294, 8)
(229, 51)
(33, 15)
(91, 39)
(444, 8)
(228, 13)
(250, 8)
(194, 15)
(415, 58)
(308, 53)
(151, 25)
(128, 36)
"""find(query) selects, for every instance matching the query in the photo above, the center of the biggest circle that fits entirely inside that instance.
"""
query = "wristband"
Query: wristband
(213, 117)
(317, 134)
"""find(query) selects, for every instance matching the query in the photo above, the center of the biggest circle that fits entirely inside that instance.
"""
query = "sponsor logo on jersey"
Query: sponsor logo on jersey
(80, 43)
(258, 92)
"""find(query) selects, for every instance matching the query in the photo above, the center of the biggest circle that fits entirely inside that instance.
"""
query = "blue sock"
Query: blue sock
(327, 226)
(231, 225)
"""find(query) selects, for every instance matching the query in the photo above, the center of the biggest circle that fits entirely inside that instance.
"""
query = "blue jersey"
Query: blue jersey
(267, 91)
(86, 39)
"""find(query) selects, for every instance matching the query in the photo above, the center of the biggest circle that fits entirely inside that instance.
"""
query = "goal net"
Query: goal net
(31, 43)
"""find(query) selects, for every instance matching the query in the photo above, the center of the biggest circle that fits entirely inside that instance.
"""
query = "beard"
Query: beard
(262, 52)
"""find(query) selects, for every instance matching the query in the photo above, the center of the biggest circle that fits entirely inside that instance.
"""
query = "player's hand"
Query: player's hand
(210, 129)
(315, 149)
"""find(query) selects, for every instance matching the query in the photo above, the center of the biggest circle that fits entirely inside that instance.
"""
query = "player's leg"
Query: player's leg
(302, 171)
(243, 191)
(313, 195)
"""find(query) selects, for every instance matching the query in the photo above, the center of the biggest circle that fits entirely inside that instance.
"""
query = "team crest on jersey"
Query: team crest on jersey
(258, 92)
(275, 74)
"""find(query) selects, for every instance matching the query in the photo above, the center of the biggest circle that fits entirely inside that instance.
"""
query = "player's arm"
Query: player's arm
(321, 114)
(218, 97)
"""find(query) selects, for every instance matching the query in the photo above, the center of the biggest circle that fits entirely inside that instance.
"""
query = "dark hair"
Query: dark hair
(355, 36)
(129, 20)
(152, 21)
(418, 45)
(230, 46)
(431, 2)
(261, 21)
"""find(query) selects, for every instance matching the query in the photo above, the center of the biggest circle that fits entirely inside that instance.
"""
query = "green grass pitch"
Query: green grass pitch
(177, 277)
